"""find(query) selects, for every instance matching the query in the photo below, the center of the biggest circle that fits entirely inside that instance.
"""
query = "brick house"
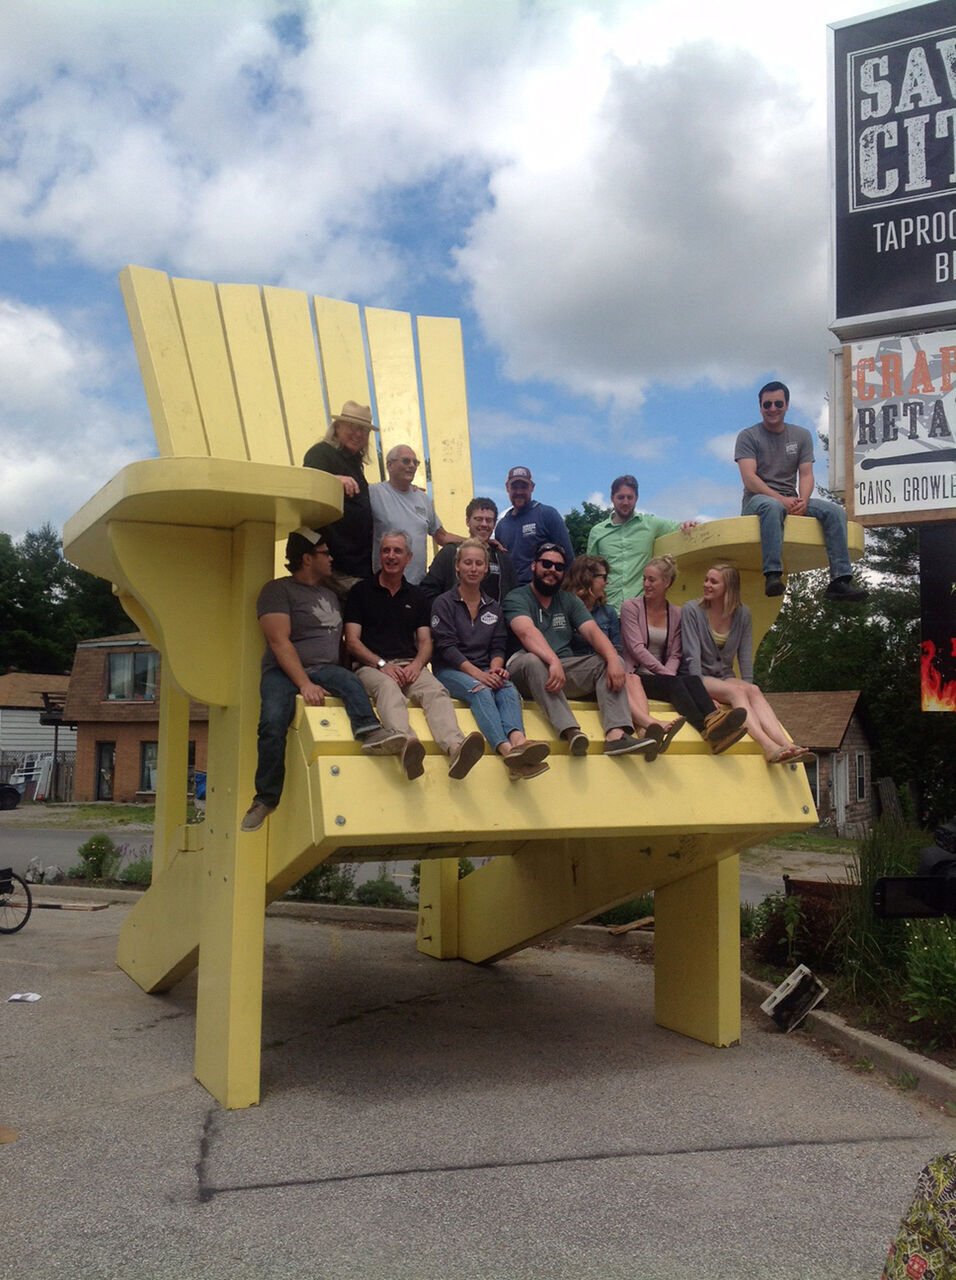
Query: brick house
(830, 724)
(113, 699)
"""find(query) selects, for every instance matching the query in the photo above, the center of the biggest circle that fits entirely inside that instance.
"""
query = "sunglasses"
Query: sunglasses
(774, 404)
(552, 564)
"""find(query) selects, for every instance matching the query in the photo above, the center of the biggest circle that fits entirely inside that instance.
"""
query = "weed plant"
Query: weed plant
(872, 955)
(381, 892)
(138, 872)
(930, 986)
(326, 883)
(625, 912)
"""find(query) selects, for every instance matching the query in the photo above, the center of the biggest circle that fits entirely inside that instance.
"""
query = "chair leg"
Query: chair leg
(438, 908)
(697, 954)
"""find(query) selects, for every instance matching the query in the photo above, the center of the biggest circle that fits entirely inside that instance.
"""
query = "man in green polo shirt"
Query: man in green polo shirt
(626, 541)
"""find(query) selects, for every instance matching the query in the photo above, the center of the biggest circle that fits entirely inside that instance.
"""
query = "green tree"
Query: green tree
(47, 605)
(874, 647)
(580, 524)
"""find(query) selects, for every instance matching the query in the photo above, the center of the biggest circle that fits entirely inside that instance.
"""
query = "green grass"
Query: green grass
(813, 841)
(113, 815)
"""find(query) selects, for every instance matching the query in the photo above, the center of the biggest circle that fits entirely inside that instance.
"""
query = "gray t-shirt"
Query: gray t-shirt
(779, 455)
(315, 619)
(412, 512)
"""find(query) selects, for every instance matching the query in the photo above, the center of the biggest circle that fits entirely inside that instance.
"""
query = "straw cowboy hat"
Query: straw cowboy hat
(354, 414)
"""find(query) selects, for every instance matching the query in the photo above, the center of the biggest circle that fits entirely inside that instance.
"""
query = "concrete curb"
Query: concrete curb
(901, 1066)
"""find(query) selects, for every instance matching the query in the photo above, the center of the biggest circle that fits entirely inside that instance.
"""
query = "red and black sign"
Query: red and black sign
(937, 575)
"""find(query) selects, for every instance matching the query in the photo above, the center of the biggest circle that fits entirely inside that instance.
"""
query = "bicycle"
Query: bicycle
(16, 903)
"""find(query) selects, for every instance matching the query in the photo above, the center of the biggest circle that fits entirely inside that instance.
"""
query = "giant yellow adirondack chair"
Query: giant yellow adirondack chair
(239, 380)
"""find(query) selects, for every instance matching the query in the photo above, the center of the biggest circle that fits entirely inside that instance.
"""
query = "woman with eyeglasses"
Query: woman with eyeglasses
(716, 630)
(469, 638)
(651, 634)
(587, 579)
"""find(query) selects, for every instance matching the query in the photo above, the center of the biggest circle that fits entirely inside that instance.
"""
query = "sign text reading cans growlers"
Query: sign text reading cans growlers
(901, 437)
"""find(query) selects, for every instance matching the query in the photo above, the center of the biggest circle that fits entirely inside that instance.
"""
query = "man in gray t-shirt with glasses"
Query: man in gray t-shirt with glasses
(776, 465)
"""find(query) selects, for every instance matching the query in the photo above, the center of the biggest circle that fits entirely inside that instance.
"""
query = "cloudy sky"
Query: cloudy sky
(626, 203)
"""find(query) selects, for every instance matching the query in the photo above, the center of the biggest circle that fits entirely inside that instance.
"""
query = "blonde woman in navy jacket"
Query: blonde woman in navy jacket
(716, 630)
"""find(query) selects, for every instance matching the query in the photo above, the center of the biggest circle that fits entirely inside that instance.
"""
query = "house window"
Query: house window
(148, 757)
(105, 767)
(860, 775)
(131, 677)
(813, 778)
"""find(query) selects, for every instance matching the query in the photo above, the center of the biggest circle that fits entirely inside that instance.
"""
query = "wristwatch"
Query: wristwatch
(381, 663)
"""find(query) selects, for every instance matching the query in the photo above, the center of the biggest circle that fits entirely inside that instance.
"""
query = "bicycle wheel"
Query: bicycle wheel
(15, 902)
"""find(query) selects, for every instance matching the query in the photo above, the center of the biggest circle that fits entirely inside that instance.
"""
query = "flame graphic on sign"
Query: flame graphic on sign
(937, 694)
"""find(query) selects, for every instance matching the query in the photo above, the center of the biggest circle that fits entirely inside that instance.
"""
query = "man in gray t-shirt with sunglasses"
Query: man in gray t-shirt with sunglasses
(776, 465)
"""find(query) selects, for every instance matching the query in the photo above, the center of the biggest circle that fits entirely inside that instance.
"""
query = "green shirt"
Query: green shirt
(627, 549)
(557, 624)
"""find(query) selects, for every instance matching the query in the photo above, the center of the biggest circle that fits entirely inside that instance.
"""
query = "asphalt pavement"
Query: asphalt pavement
(424, 1119)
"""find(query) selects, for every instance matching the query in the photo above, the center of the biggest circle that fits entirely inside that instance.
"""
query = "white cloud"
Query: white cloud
(631, 194)
(722, 446)
(61, 437)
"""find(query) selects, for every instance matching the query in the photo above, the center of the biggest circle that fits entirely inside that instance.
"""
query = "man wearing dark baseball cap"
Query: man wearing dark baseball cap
(527, 523)
(301, 619)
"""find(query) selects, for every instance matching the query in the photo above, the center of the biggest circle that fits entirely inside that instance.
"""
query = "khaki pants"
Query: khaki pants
(391, 702)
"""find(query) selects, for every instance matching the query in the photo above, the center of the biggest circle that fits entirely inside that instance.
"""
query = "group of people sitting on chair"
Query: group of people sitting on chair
(507, 612)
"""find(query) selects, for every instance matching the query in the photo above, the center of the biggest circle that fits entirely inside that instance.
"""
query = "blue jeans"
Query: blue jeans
(497, 712)
(278, 695)
(772, 514)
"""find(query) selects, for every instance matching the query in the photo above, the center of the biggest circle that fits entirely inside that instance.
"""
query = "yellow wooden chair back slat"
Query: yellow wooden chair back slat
(442, 359)
(164, 364)
(342, 352)
(254, 374)
(395, 378)
(297, 369)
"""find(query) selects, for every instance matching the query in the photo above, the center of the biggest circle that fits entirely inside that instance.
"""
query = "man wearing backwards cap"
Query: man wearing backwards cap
(343, 453)
(527, 524)
(302, 622)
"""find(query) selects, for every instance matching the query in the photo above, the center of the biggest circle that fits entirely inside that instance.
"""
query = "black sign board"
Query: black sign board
(893, 149)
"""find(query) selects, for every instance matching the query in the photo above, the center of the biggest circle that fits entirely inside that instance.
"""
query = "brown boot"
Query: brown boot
(723, 722)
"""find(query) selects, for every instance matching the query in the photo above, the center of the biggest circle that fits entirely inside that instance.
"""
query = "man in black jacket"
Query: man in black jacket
(481, 515)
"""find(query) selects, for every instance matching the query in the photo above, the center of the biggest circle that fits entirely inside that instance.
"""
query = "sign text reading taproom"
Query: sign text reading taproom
(901, 437)
(893, 79)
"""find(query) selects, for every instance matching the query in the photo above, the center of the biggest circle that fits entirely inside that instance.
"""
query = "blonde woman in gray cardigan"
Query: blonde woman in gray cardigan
(717, 629)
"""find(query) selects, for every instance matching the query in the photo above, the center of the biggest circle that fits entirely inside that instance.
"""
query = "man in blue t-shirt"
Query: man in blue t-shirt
(544, 618)
(526, 524)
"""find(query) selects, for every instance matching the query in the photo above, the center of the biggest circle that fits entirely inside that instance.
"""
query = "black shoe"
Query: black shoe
(843, 590)
(773, 584)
